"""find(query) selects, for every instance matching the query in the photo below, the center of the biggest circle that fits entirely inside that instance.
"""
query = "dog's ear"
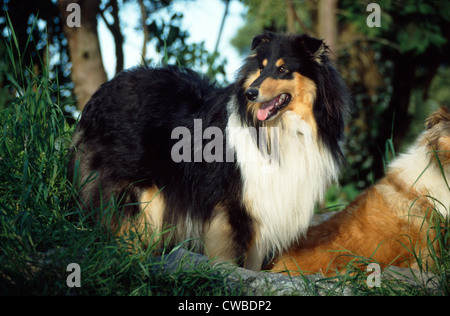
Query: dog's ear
(439, 116)
(266, 37)
(316, 48)
(437, 135)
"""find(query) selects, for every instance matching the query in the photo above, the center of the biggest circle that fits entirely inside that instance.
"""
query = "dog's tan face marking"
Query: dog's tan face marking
(302, 90)
(251, 78)
(263, 65)
(280, 62)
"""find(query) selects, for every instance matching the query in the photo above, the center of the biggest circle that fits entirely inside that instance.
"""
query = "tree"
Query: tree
(383, 66)
(327, 27)
(88, 72)
(116, 31)
(411, 45)
(79, 66)
(38, 33)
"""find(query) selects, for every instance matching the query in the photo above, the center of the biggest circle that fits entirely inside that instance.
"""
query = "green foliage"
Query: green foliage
(43, 229)
(34, 28)
(40, 20)
(268, 15)
(172, 43)
(389, 70)
(33, 191)
(396, 72)
(412, 26)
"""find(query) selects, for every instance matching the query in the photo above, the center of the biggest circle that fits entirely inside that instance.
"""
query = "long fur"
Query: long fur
(240, 209)
(394, 221)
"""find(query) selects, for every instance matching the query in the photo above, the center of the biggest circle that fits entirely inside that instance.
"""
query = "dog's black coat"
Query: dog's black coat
(125, 134)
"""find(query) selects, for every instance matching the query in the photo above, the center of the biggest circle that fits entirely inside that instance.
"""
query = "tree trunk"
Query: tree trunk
(116, 32)
(327, 27)
(290, 16)
(145, 29)
(88, 72)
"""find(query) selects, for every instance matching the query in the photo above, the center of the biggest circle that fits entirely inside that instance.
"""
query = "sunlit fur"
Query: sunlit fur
(394, 221)
(280, 194)
(241, 209)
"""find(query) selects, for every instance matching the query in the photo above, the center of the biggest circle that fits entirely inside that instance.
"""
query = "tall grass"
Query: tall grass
(43, 229)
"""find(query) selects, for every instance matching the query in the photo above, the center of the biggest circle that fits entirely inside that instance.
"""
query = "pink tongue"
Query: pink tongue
(263, 111)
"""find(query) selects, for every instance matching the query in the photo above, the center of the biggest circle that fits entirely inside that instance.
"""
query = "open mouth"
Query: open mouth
(270, 109)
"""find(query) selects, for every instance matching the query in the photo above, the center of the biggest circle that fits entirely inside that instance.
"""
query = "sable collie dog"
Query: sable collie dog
(392, 220)
(169, 149)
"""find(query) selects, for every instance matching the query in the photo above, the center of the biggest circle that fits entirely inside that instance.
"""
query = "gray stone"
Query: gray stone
(250, 282)
(253, 283)
(265, 283)
(415, 278)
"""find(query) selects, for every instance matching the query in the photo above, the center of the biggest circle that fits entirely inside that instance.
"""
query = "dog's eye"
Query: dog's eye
(261, 66)
(282, 69)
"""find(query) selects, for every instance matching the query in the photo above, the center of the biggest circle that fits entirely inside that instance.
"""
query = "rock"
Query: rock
(182, 259)
(251, 283)
(265, 283)
(415, 278)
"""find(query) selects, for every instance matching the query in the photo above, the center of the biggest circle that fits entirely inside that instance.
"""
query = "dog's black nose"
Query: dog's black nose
(251, 94)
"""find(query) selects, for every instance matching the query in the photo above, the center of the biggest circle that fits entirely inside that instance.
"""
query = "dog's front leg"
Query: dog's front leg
(254, 259)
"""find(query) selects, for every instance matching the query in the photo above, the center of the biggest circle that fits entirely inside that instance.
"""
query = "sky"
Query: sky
(202, 19)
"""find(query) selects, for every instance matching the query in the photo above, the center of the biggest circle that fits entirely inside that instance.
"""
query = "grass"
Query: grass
(43, 230)
(425, 280)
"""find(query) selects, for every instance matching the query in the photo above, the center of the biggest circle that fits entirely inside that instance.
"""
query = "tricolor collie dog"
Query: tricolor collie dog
(235, 170)
(394, 221)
